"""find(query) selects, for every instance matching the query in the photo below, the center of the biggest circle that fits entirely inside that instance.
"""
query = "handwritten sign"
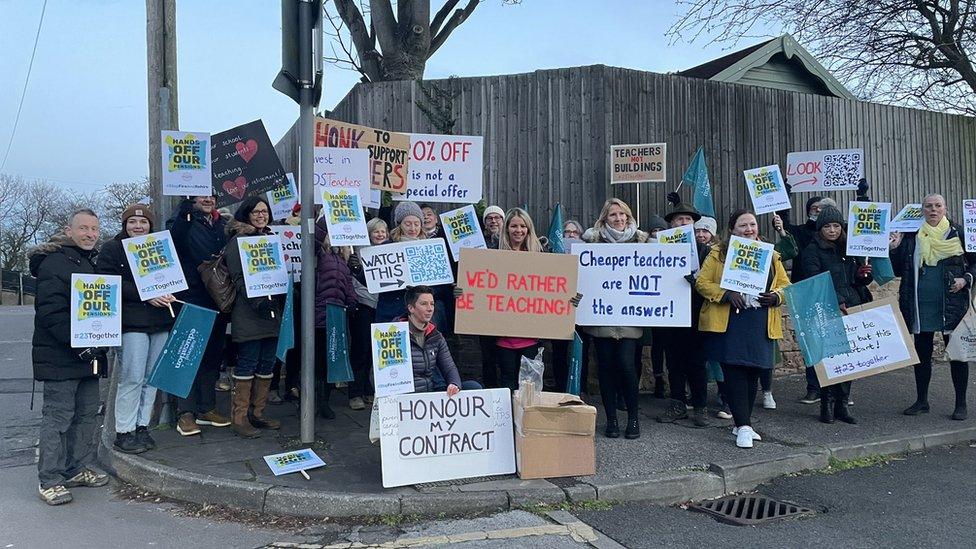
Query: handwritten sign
(392, 361)
(186, 164)
(283, 198)
(908, 220)
(516, 294)
(291, 249)
(345, 218)
(429, 437)
(462, 230)
(969, 223)
(817, 171)
(445, 168)
(767, 190)
(244, 163)
(867, 229)
(154, 264)
(684, 234)
(633, 285)
(638, 163)
(337, 169)
(96, 310)
(390, 267)
(264, 267)
(747, 264)
(293, 462)
(389, 154)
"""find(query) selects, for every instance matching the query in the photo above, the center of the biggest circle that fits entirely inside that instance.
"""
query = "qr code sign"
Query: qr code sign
(429, 263)
(843, 170)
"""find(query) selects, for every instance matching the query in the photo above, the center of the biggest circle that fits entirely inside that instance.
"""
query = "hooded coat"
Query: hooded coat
(252, 318)
(137, 315)
(197, 239)
(824, 256)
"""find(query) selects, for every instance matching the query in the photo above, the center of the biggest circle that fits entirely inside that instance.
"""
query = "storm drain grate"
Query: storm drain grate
(749, 509)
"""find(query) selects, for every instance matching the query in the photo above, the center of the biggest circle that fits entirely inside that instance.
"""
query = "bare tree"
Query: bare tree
(30, 217)
(910, 52)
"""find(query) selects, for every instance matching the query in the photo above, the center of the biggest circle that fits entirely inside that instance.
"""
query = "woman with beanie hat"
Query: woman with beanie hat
(145, 327)
(850, 277)
(408, 224)
(706, 229)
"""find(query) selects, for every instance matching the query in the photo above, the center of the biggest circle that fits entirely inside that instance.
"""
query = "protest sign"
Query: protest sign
(177, 365)
(429, 437)
(291, 250)
(817, 171)
(286, 330)
(96, 310)
(638, 163)
(445, 168)
(390, 267)
(345, 218)
(265, 273)
(879, 342)
(817, 322)
(516, 294)
(867, 229)
(388, 151)
(462, 230)
(244, 163)
(154, 264)
(337, 169)
(392, 364)
(283, 198)
(186, 164)
(633, 285)
(684, 234)
(298, 461)
(767, 190)
(747, 264)
(908, 220)
(969, 224)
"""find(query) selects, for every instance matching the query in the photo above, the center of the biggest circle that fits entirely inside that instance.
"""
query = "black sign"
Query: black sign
(244, 163)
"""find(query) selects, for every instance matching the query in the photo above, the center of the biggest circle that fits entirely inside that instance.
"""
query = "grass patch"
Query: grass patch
(837, 465)
(594, 505)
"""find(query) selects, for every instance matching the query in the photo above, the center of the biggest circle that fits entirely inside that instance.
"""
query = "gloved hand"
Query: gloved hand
(186, 206)
(789, 188)
(690, 277)
(354, 263)
(864, 271)
(735, 299)
(575, 300)
(768, 299)
(458, 292)
(89, 354)
(862, 187)
(674, 198)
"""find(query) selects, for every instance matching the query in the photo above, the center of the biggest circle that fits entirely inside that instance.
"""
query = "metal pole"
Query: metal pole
(20, 291)
(306, 136)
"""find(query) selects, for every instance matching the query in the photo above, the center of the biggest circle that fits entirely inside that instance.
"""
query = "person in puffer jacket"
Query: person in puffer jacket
(428, 347)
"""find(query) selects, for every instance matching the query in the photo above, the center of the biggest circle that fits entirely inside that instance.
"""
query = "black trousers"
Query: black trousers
(615, 360)
(657, 351)
(924, 343)
(509, 362)
(489, 361)
(203, 396)
(741, 383)
(686, 365)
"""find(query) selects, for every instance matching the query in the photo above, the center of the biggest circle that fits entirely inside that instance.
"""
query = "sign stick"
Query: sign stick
(189, 216)
(95, 367)
(170, 307)
(304, 474)
(272, 311)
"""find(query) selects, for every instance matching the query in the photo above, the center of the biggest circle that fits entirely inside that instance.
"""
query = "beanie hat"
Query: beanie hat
(404, 209)
(810, 202)
(707, 223)
(492, 210)
(829, 214)
(656, 222)
(827, 202)
(140, 210)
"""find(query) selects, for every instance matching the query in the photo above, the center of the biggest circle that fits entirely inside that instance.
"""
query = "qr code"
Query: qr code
(842, 169)
(428, 264)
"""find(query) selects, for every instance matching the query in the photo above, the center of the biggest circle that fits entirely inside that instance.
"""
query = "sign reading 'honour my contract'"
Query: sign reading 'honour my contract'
(392, 362)
(747, 264)
(154, 265)
(96, 310)
(390, 267)
(867, 229)
(263, 264)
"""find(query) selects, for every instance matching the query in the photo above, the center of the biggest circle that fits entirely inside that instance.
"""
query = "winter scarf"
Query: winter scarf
(612, 235)
(933, 246)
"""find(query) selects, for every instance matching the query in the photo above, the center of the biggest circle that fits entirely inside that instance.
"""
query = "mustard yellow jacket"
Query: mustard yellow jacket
(715, 314)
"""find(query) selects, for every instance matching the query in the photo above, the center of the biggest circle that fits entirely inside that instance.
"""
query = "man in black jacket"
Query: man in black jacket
(66, 444)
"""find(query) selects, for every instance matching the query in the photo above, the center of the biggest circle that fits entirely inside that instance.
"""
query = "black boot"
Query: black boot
(323, 392)
(826, 405)
(841, 411)
(658, 386)
(128, 443)
(633, 427)
(613, 429)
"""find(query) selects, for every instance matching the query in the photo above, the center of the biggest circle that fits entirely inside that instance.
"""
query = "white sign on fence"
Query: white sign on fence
(96, 310)
(969, 223)
(390, 267)
(337, 168)
(154, 264)
(908, 220)
(767, 190)
(263, 264)
(429, 437)
(445, 168)
(462, 230)
(867, 229)
(392, 361)
(186, 164)
(817, 171)
(747, 264)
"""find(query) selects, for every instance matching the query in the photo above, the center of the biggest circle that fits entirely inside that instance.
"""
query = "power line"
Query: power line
(23, 94)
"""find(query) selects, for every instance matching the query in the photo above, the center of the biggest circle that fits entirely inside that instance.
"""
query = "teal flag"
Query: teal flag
(573, 381)
(817, 321)
(177, 365)
(697, 177)
(337, 345)
(882, 270)
(555, 234)
(286, 333)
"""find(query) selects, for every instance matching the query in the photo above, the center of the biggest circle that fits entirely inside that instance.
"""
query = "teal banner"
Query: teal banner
(286, 333)
(817, 321)
(573, 381)
(177, 366)
(882, 270)
(555, 234)
(697, 176)
(337, 345)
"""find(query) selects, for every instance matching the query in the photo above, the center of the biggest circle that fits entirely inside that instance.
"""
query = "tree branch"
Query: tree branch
(458, 17)
(441, 15)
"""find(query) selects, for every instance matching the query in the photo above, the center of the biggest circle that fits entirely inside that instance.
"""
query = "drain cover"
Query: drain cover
(749, 509)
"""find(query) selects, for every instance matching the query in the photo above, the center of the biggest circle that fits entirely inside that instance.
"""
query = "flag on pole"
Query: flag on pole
(286, 333)
(697, 177)
(817, 322)
(555, 234)
(574, 382)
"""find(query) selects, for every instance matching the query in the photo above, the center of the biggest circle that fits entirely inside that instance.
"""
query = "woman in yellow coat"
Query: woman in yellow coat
(740, 330)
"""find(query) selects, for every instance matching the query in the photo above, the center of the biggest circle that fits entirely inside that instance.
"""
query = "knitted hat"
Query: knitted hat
(140, 210)
(492, 210)
(829, 214)
(404, 209)
(656, 222)
(683, 209)
(707, 223)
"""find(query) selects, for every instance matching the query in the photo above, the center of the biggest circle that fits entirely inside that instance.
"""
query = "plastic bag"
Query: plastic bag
(962, 342)
(530, 378)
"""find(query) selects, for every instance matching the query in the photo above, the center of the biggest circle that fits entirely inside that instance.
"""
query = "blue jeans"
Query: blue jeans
(134, 398)
(256, 358)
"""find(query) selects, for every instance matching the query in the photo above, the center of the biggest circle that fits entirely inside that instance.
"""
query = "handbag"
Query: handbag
(962, 343)
(216, 279)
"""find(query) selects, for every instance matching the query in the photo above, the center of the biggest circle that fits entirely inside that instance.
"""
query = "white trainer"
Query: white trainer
(755, 435)
(768, 402)
(743, 438)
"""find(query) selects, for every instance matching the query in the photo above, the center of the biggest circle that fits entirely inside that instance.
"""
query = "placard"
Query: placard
(283, 199)
(767, 190)
(633, 285)
(516, 294)
(244, 163)
(445, 168)
(818, 171)
(880, 342)
(293, 462)
(908, 220)
(867, 229)
(177, 365)
(684, 234)
(186, 163)
(96, 310)
(337, 169)
(264, 268)
(345, 218)
(747, 264)
(430, 437)
(645, 163)
(388, 151)
(390, 267)
(462, 230)
(154, 264)
(392, 361)
(291, 249)
(969, 224)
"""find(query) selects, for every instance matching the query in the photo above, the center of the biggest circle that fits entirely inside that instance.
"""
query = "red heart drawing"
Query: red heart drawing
(236, 187)
(248, 150)
(290, 234)
(286, 258)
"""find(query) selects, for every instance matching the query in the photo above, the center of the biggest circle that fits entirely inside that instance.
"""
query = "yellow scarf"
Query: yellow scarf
(933, 245)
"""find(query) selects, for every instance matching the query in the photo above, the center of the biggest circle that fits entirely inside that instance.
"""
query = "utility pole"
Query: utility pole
(163, 110)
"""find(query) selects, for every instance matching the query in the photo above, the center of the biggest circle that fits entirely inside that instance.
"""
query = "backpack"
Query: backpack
(216, 279)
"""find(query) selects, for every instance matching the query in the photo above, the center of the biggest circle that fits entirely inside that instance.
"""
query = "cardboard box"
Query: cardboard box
(554, 437)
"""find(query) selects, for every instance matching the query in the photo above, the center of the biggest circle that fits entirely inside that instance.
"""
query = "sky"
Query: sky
(84, 123)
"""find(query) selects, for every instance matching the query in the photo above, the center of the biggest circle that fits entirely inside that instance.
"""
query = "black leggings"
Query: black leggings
(685, 366)
(923, 371)
(766, 379)
(741, 383)
(615, 360)
(489, 362)
(509, 362)
(657, 352)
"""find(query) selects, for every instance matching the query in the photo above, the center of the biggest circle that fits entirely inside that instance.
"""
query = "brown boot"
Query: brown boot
(240, 404)
(261, 388)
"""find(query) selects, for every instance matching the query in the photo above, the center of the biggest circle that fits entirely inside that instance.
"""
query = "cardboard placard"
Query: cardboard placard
(283, 198)
(767, 190)
(293, 462)
(445, 168)
(908, 220)
(154, 264)
(265, 273)
(516, 294)
(390, 267)
(684, 234)
(646, 163)
(818, 171)
(389, 153)
(244, 163)
(747, 264)
(186, 163)
(633, 285)
(880, 342)
(462, 230)
(96, 310)
(337, 169)
(392, 361)
(291, 249)
(429, 437)
(969, 224)
(345, 218)
(867, 229)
